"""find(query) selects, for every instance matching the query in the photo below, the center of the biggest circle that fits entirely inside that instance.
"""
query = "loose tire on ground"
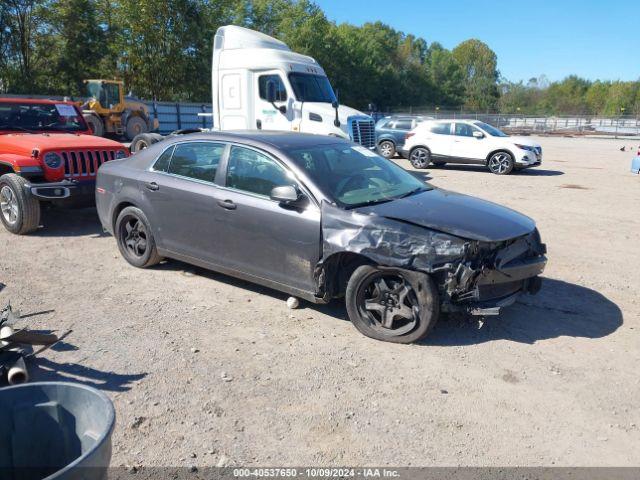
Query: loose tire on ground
(19, 210)
(501, 163)
(420, 157)
(387, 149)
(144, 140)
(410, 300)
(95, 123)
(135, 240)
(135, 126)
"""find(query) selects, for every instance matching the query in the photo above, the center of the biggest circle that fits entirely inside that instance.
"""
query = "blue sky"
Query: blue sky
(596, 39)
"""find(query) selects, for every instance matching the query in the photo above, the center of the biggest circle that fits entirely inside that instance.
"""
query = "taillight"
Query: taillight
(408, 134)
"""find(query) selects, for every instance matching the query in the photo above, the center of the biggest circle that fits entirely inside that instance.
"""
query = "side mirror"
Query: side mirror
(478, 134)
(271, 91)
(286, 194)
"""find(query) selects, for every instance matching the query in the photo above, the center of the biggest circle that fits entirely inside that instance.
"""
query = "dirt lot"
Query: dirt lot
(208, 370)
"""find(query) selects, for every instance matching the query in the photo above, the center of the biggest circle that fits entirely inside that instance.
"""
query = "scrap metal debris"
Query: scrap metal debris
(16, 345)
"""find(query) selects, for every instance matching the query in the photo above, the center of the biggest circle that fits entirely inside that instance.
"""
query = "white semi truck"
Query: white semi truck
(259, 83)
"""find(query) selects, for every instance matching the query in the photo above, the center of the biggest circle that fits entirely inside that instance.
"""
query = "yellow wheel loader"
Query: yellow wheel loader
(108, 111)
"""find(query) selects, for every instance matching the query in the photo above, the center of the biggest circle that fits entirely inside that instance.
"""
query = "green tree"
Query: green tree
(480, 68)
(446, 77)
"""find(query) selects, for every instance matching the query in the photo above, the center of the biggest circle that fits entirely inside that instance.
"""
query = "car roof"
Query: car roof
(265, 138)
(46, 101)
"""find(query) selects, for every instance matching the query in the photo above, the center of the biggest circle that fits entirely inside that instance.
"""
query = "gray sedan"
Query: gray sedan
(320, 218)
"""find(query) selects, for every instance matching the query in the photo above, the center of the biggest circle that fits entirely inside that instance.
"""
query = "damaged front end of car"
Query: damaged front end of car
(474, 276)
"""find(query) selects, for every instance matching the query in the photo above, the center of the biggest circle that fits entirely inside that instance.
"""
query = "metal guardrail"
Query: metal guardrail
(538, 124)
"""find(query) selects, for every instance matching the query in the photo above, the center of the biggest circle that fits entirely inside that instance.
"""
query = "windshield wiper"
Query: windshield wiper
(370, 202)
(413, 192)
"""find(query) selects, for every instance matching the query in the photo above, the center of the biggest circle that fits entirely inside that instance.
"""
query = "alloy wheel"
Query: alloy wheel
(500, 163)
(419, 158)
(9, 205)
(134, 236)
(389, 303)
(386, 149)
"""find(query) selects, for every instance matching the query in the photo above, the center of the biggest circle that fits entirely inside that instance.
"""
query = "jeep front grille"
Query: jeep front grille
(363, 131)
(85, 163)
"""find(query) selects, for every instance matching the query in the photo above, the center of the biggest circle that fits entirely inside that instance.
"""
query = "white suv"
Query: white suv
(469, 142)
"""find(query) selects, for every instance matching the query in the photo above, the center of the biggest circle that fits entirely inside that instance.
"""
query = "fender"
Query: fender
(19, 162)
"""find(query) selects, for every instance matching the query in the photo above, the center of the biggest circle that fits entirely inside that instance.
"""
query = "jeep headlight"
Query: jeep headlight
(52, 160)
(120, 154)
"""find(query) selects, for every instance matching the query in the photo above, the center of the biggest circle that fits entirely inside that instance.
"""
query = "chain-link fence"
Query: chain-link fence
(537, 124)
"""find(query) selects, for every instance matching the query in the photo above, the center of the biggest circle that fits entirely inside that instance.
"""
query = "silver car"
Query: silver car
(320, 218)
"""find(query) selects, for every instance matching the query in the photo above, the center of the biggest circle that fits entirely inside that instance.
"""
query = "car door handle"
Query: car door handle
(152, 186)
(228, 204)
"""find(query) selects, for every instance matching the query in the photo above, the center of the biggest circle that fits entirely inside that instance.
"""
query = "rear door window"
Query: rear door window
(197, 160)
(403, 125)
(162, 163)
(441, 128)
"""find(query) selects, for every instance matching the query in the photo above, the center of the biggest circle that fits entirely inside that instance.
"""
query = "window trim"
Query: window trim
(273, 74)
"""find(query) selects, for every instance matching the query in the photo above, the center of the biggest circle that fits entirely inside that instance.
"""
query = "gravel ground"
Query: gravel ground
(207, 370)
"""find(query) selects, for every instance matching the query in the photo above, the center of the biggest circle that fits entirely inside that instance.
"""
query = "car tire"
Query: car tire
(387, 149)
(144, 140)
(19, 210)
(136, 126)
(501, 163)
(95, 123)
(392, 304)
(420, 157)
(135, 240)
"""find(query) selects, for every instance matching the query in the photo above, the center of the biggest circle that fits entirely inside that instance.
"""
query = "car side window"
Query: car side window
(403, 125)
(253, 172)
(464, 130)
(162, 163)
(197, 160)
(281, 91)
(441, 128)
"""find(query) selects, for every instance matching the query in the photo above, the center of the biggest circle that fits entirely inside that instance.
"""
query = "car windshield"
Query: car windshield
(493, 131)
(312, 88)
(34, 117)
(354, 176)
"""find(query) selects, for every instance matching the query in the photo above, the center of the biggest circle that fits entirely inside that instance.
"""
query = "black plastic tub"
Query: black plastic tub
(54, 430)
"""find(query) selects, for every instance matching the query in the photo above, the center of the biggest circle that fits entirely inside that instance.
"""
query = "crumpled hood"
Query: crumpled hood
(25, 143)
(461, 215)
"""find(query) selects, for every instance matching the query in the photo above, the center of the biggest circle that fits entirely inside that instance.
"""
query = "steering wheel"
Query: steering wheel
(345, 184)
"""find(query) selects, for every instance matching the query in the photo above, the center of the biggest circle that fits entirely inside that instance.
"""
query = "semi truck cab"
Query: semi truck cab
(259, 83)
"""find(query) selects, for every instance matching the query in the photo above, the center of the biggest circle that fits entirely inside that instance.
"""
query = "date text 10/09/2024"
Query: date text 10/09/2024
(316, 472)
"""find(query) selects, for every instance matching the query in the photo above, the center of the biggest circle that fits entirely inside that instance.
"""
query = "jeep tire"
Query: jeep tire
(19, 210)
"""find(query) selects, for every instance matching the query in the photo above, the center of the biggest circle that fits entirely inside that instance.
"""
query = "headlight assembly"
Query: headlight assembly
(52, 160)
(120, 154)
(525, 147)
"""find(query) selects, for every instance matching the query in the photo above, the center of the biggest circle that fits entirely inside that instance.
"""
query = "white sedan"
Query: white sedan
(469, 142)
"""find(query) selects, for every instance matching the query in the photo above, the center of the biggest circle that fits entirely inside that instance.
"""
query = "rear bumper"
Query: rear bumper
(67, 192)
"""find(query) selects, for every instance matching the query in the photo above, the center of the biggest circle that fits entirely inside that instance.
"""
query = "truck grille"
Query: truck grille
(85, 163)
(363, 131)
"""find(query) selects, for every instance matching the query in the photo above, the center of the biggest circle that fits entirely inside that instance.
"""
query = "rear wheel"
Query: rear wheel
(501, 163)
(420, 157)
(387, 149)
(392, 304)
(19, 210)
(136, 126)
(135, 240)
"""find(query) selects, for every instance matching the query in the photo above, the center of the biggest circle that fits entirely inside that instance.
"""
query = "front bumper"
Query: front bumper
(527, 159)
(65, 190)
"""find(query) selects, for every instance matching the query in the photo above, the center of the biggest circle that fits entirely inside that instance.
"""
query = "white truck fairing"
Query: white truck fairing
(249, 66)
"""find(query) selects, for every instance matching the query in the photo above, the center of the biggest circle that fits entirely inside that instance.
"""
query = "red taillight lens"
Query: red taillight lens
(408, 134)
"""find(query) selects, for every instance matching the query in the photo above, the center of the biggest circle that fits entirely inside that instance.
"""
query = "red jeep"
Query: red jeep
(47, 154)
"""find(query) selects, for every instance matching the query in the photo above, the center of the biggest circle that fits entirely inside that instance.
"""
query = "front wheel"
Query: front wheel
(392, 304)
(135, 240)
(135, 126)
(501, 163)
(420, 157)
(387, 149)
(19, 210)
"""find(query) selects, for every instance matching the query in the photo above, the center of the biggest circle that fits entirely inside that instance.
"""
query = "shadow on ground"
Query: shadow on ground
(533, 172)
(59, 222)
(42, 369)
(561, 309)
